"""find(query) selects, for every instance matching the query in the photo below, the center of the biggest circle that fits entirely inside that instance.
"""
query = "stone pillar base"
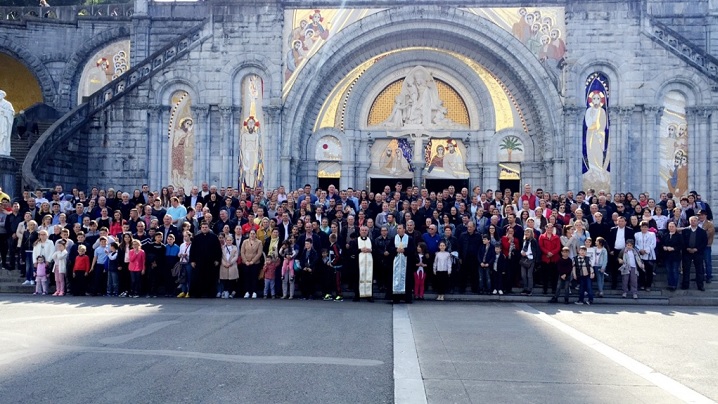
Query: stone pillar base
(7, 175)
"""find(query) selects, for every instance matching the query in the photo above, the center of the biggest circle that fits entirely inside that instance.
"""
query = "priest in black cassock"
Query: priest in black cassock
(205, 256)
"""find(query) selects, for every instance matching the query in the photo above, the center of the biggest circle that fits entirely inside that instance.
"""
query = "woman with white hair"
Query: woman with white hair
(43, 247)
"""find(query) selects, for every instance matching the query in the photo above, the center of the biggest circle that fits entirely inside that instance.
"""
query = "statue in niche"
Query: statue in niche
(418, 105)
(7, 116)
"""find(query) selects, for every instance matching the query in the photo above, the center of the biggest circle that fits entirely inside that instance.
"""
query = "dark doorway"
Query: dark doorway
(438, 185)
(324, 183)
(513, 185)
(378, 184)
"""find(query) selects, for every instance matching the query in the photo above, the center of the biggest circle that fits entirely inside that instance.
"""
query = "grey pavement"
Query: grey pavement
(185, 350)
(77, 350)
(503, 353)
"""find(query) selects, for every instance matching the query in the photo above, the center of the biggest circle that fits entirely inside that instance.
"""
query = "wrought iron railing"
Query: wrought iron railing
(61, 131)
(68, 13)
(683, 48)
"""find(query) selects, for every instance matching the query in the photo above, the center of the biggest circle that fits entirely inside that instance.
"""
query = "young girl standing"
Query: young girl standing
(187, 267)
(600, 263)
(59, 257)
(40, 276)
(420, 274)
(137, 267)
(442, 269)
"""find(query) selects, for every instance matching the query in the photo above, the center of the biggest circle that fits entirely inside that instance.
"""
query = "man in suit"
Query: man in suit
(168, 228)
(194, 197)
(285, 227)
(695, 240)
(78, 215)
(617, 242)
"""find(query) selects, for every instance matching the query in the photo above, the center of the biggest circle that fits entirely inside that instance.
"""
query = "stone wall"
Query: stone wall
(129, 142)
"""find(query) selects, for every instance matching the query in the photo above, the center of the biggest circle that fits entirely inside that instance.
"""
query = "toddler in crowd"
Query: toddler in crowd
(41, 283)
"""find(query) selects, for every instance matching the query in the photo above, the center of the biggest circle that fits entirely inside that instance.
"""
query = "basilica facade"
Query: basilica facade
(614, 96)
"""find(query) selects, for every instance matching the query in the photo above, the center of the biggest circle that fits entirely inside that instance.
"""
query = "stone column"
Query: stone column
(692, 119)
(573, 142)
(702, 153)
(202, 138)
(651, 150)
(711, 193)
(226, 138)
(271, 142)
(158, 170)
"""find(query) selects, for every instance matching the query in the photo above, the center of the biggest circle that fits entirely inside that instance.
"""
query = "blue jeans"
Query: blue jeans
(113, 283)
(29, 267)
(585, 285)
(484, 280)
(600, 278)
(708, 262)
(672, 267)
(188, 270)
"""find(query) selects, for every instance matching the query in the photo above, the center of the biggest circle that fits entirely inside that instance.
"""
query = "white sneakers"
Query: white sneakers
(494, 292)
(27, 283)
(246, 295)
(254, 295)
(501, 292)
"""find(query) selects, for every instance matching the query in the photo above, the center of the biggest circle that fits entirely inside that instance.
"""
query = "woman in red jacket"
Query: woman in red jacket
(550, 245)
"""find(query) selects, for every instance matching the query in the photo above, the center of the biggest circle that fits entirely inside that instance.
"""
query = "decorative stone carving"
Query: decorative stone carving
(7, 115)
(418, 105)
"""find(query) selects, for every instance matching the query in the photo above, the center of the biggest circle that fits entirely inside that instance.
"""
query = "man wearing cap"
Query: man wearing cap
(695, 241)
(705, 224)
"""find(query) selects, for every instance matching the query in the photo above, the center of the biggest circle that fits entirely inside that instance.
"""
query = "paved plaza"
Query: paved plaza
(77, 350)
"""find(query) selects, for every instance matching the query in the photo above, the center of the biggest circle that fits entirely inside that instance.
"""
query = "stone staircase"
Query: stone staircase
(683, 48)
(20, 147)
(39, 164)
(10, 282)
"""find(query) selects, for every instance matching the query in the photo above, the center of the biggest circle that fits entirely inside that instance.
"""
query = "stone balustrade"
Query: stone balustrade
(66, 13)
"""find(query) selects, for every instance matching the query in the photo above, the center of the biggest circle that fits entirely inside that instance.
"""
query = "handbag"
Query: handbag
(261, 274)
(177, 269)
(525, 262)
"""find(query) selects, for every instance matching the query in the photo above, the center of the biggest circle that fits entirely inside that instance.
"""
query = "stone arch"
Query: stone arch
(432, 26)
(36, 67)
(176, 81)
(683, 85)
(389, 69)
(239, 68)
(73, 69)
(491, 152)
(608, 67)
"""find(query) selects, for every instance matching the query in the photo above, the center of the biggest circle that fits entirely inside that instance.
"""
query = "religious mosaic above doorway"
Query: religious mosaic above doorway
(445, 158)
(511, 149)
(542, 30)
(104, 66)
(391, 158)
(596, 165)
(674, 145)
(307, 30)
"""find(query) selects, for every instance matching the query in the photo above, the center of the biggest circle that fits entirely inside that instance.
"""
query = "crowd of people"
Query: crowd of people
(321, 243)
